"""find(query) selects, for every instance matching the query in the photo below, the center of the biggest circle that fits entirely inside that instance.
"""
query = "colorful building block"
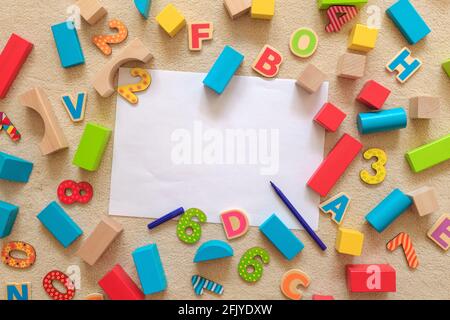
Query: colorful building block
(351, 66)
(408, 21)
(311, 78)
(371, 278)
(337, 206)
(91, 10)
(199, 32)
(330, 117)
(118, 285)
(60, 225)
(303, 42)
(171, 20)
(143, 6)
(14, 169)
(18, 291)
(291, 281)
(237, 8)
(12, 58)
(429, 155)
(325, 4)
(321, 297)
(381, 121)
(338, 16)
(388, 210)
(8, 214)
(281, 237)
(213, 249)
(6, 125)
(150, 269)
(235, 223)
(334, 165)
(424, 200)
(349, 241)
(67, 43)
(100, 239)
(262, 9)
(440, 232)
(446, 67)
(268, 62)
(424, 107)
(362, 38)
(373, 94)
(75, 110)
(404, 64)
(223, 69)
(91, 147)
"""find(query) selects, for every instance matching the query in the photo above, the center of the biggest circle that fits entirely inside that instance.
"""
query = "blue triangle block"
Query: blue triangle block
(143, 7)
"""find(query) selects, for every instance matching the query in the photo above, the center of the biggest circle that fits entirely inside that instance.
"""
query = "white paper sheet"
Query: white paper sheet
(183, 145)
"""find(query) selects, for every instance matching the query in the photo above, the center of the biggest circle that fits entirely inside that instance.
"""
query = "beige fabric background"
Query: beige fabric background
(32, 20)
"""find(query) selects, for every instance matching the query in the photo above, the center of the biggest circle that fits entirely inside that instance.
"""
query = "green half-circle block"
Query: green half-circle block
(213, 249)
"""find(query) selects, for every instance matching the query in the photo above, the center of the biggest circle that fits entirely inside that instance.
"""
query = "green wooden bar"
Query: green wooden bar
(325, 4)
(429, 155)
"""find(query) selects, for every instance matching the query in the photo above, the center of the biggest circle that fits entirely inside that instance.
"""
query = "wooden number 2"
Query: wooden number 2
(103, 41)
(378, 166)
(127, 91)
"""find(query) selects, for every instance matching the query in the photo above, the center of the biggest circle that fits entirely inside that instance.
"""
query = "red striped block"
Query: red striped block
(404, 240)
(6, 125)
(338, 16)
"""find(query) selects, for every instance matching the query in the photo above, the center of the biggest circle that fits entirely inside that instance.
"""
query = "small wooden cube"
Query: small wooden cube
(424, 200)
(362, 38)
(311, 78)
(349, 241)
(351, 66)
(171, 20)
(424, 107)
(263, 9)
(91, 11)
(237, 8)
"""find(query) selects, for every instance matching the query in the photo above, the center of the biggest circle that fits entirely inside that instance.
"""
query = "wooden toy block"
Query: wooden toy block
(440, 232)
(118, 285)
(378, 166)
(424, 107)
(200, 284)
(91, 10)
(223, 69)
(349, 241)
(103, 82)
(8, 214)
(371, 278)
(311, 78)
(171, 20)
(338, 16)
(54, 139)
(268, 62)
(75, 108)
(334, 165)
(337, 206)
(18, 291)
(424, 200)
(321, 297)
(199, 32)
(91, 147)
(408, 21)
(381, 121)
(14, 169)
(404, 240)
(429, 155)
(103, 42)
(262, 9)
(150, 269)
(351, 66)
(303, 42)
(67, 43)
(237, 8)
(64, 280)
(60, 225)
(12, 58)
(281, 237)
(99, 241)
(291, 281)
(373, 94)
(94, 296)
(388, 210)
(404, 64)
(325, 4)
(235, 223)
(143, 6)
(330, 117)
(362, 38)
(213, 249)
(11, 130)
(446, 67)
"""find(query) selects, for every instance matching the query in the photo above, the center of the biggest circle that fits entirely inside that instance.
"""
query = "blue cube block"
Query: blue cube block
(60, 225)
(281, 237)
(149, 268)
(223, 69)
(8, 214)
(14, 169)
(68, 44)
(409, 22)
(384, 120)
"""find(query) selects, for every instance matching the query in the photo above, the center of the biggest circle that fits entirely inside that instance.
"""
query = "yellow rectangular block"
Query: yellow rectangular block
(171, 20)
(263, 9)
(362, 38)
(349, 241)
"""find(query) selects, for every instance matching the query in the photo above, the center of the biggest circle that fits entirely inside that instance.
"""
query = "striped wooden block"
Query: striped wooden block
(199, 283)
(404, 240)
(338, 16)
(7, 125)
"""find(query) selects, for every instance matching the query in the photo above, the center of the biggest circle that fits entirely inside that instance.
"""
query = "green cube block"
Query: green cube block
(325, 4)
(92, 146)
(429, 155)
(446, 67)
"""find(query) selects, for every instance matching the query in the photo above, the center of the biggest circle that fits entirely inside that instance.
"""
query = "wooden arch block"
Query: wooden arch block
(103, 81)
(54, 139)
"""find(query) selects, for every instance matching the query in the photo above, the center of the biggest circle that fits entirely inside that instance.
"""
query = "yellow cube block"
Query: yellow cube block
(263, 9)
(362, 38)
(171, 20)
(349, 241)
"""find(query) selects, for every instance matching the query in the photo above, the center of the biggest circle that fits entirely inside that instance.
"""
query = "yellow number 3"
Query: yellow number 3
(378, 166)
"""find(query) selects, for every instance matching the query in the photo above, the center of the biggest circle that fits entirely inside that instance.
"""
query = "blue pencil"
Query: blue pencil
(300, 219)
(166, 217)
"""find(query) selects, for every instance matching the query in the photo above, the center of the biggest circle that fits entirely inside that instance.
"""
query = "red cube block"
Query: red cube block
(371, 278)
(373, 95)
(330, 117)
(118, 285)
